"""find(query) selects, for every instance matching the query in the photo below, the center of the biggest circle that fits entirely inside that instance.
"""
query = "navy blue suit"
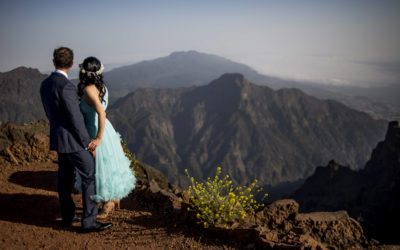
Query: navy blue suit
(69, 137)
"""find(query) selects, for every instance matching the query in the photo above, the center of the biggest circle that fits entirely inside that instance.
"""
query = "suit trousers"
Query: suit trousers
(83, 162)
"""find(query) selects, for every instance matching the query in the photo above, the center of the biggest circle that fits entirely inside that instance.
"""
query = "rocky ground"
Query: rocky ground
(29, 219)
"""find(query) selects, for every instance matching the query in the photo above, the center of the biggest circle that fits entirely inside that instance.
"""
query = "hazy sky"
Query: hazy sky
(327, 41)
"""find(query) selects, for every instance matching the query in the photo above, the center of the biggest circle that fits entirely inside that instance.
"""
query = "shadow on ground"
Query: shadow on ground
(30, 209)
(45, 180)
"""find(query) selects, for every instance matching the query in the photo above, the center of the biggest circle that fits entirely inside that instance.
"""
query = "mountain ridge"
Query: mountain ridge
(19, 95)
(234, 122)
(192, 68)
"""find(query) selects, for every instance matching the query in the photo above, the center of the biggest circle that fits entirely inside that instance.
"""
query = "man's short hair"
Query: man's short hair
(63, 57)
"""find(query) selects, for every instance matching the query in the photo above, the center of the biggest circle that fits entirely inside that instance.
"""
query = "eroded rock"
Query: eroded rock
(333, 228)
(21, 144)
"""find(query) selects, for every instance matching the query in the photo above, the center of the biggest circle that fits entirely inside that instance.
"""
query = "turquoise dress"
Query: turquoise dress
(114, 178)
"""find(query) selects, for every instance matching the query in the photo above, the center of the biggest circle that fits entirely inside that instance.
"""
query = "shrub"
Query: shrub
(131, 157)
(217, 202)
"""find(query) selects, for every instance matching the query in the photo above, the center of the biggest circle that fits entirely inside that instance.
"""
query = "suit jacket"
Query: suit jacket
(67, 127)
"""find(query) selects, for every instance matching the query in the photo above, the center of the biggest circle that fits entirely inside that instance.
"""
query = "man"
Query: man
(69, 137)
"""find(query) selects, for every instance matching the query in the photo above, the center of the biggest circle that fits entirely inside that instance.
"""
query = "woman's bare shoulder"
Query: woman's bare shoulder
(90, 89)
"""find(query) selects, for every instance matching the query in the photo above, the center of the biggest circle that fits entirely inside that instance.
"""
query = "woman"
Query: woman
(114, 178)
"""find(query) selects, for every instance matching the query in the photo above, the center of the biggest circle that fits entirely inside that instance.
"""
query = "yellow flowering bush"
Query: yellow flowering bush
(131, 157)
(217, 202)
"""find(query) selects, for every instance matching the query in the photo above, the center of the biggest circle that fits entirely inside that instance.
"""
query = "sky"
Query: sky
(354, 42)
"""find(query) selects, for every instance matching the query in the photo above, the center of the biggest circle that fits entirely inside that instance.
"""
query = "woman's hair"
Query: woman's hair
(91, 72)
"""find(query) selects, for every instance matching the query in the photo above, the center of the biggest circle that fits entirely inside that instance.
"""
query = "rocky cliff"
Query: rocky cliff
(370, 195)
(21, 144)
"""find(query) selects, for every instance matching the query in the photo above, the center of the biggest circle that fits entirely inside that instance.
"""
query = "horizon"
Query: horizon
(291, 40)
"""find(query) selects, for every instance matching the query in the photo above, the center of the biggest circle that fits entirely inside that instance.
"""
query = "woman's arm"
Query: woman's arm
(91, 97)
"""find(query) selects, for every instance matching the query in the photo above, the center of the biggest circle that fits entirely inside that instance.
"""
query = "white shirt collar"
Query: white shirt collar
(61, 72)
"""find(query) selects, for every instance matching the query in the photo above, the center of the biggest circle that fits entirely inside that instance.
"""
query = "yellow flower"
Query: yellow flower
(216, 200)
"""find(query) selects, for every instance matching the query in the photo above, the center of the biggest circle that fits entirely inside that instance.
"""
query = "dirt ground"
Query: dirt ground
(29, 219)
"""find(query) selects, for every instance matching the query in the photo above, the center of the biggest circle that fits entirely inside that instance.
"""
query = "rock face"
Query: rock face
(370, 195)
(336, 229)
(21, 144)
(279, 215)
(333, 228)
(251, 131)
(19, 95)
(152, 188)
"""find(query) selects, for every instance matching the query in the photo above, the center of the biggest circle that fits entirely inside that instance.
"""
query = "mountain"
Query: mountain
(252, 131)
(179, 69)
(187, 69)
(371, 195)
(19, 95)
(192, 68)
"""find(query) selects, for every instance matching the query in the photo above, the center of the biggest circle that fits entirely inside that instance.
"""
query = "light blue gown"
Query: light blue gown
(114, 178)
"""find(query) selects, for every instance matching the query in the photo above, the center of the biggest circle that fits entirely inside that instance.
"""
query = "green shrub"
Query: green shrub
(131, 157)
(217, 202)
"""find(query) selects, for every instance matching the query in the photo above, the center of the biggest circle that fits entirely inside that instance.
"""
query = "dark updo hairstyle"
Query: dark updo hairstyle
(91, 72)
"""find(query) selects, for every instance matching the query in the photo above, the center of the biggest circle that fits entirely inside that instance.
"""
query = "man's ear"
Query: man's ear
(72, 63)
(54, 63)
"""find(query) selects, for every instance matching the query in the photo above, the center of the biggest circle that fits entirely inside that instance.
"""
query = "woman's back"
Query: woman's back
(90, 115)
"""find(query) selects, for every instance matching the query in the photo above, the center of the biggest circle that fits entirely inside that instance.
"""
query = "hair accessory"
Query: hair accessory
(98, 72)
(82, 69)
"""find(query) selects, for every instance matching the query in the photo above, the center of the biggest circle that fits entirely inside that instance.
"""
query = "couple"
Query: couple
(85, 141)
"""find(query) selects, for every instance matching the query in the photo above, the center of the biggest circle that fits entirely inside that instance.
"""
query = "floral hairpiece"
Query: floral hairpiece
(98, 72)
